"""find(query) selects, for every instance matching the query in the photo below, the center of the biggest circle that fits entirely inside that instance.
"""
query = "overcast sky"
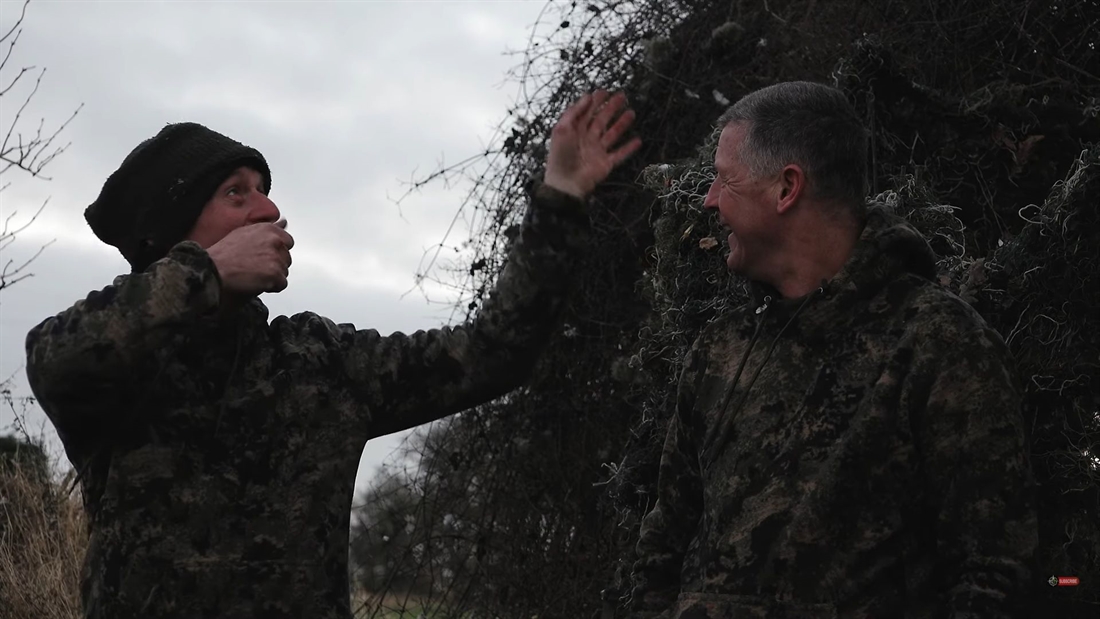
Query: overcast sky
(347, 101)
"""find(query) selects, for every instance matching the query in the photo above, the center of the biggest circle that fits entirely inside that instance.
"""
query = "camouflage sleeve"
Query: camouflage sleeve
(408, 380)
(83, 363)
(969, 430)
(668, 528)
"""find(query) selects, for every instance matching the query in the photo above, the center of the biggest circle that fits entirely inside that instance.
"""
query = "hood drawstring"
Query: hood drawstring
(741, 365)
(720, 437)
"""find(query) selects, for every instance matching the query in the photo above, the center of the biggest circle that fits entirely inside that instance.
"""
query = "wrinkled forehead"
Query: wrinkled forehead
(728, 152)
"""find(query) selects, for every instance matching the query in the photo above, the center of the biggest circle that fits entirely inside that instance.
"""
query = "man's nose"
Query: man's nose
(711, 201)
(264, 209)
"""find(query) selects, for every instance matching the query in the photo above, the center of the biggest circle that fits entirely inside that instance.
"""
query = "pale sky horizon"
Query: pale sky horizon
(346, 100)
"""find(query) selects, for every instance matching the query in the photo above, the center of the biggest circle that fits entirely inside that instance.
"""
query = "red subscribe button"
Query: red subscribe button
(1064, 581)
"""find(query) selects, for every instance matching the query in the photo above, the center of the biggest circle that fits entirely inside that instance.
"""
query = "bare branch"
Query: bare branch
(16, 25)
(15, 79)
(11, 276)
(34, 154)
(30, 154)
(6, 236)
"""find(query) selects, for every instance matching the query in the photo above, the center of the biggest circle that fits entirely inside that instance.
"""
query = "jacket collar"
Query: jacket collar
(888, 247)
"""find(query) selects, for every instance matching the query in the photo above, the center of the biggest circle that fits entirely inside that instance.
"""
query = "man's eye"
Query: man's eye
(232, 191)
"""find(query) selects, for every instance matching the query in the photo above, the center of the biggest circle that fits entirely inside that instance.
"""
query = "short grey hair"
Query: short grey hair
(809, 124)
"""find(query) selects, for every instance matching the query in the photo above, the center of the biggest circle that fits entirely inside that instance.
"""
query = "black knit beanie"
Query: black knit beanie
(154, 198)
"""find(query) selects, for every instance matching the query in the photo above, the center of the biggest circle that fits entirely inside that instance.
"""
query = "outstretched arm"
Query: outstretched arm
(409, 380)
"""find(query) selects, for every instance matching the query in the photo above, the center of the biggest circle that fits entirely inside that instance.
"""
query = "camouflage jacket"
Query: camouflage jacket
(219, 455)
(859, 452)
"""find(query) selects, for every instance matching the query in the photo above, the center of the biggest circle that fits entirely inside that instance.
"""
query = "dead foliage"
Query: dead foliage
(43, 537)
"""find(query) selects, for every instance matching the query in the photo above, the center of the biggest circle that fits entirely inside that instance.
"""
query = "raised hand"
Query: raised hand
(253, 259)
(581, 154)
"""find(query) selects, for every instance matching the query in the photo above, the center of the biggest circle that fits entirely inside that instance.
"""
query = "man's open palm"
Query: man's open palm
(581, 144)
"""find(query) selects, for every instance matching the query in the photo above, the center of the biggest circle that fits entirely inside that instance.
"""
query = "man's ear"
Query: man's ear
(792, 185)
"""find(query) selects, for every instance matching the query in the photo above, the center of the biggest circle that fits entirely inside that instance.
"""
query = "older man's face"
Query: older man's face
(746, 207)
(239, 201)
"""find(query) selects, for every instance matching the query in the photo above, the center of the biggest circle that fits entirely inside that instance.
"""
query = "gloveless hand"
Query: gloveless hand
(581, 154)
(254, 259)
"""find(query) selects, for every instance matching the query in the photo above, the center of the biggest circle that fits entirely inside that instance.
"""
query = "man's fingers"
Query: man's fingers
(286, 239)
(283, 235)
(625, 151)
(599, 98)
(575, 111)
(617, 130)
(605, 113)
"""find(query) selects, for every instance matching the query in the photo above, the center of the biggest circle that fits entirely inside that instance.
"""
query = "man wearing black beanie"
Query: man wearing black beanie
(218, 451)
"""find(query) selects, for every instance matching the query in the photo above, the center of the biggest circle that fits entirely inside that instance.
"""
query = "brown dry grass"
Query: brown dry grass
(43, 538)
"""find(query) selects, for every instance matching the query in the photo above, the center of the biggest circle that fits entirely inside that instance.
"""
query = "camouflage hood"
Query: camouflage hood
(888, 247)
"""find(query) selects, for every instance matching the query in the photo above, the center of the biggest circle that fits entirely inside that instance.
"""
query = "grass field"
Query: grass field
(42, 545)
